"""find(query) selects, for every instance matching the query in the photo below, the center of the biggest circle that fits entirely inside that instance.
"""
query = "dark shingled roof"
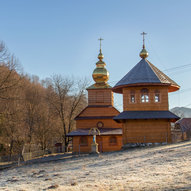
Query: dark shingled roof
(103, 131)
(126, 115)
(145, 73)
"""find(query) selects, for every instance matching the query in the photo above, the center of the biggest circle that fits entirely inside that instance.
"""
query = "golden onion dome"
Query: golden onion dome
(144, 54)
(100, 74)
(100, 56)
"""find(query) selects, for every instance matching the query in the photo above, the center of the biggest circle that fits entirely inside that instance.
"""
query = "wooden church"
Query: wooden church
(146, 117)
(98, 114)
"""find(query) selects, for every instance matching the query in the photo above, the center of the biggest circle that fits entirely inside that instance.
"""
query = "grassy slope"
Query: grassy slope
(159, 168)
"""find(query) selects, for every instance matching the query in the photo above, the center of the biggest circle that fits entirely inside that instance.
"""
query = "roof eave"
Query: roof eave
(173, 88)
(119, 89)
(145, 115)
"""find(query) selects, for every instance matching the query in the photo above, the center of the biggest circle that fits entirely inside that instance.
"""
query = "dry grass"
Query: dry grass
(160, 168)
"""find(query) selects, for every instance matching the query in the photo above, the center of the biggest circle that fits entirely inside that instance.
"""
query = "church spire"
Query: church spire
(144, 54)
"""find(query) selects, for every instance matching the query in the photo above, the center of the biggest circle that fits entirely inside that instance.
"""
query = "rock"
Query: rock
(53, 186)
(41, 171)
(73, 183)
(14, 179)
(48, 179)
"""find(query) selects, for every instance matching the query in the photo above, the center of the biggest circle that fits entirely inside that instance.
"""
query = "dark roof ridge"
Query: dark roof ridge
(161, 77)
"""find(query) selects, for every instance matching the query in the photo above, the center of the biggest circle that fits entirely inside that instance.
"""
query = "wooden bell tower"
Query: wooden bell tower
(146, 117)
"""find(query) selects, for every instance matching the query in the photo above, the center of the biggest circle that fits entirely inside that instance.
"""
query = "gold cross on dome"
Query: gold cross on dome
(143, 33)
(100, 42)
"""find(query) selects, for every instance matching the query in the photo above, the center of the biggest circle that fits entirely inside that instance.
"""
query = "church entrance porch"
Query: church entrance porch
(106, 143)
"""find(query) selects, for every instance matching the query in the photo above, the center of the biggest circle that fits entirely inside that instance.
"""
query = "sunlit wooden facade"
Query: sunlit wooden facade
(99, 113)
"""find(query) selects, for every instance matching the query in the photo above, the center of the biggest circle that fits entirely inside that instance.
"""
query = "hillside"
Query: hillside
(158, 168)
(182, 111)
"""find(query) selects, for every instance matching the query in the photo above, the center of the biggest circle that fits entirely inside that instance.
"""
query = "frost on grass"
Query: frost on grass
(160, 168)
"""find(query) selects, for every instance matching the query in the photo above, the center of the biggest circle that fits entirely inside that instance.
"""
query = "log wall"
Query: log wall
(151, 105)
(91, 123)
(100, 97)
(146, 131)
(103, 144)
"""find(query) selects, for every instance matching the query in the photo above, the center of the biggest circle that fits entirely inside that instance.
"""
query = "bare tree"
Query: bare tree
(35, 113)
(32, 105)
(24, 112)
(9, 77)
(66, 98)
(4, 53)
(10, 87)
(12, 131)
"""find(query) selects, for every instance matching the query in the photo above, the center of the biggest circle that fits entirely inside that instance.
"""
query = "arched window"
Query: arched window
(132, 96)
(113, 140)
(83, 141)
(157, 96)
(144, 95)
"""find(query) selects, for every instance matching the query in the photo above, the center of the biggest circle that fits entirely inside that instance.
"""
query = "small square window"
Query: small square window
(83, 141)
(113, 140)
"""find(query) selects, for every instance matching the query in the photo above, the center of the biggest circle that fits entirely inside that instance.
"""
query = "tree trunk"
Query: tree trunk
(11, 149)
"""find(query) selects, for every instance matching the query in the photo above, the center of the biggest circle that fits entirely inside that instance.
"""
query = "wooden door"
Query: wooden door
(100, 143)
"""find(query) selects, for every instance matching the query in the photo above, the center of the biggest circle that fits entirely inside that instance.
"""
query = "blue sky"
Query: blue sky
(61, 37)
